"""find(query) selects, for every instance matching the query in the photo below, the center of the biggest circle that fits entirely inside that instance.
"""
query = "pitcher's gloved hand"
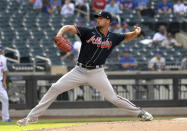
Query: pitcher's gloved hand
(62, 44)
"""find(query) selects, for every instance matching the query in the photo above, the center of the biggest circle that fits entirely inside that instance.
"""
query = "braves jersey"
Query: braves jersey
(96, 47)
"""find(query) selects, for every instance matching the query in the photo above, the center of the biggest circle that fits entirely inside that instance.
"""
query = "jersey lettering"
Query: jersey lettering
(98, 41)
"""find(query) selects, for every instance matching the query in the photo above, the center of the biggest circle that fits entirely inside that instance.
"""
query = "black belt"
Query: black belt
(89, 67)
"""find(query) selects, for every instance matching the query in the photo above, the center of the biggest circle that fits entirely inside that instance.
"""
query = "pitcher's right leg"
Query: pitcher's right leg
(69, 81)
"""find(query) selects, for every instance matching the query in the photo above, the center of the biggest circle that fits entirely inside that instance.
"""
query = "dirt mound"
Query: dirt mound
(156, 125)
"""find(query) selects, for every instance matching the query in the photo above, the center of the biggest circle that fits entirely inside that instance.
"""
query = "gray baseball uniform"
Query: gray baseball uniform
(89, 70)
(3, 92)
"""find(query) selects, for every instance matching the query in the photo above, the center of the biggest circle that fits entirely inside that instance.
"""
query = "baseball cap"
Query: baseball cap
(1, 48)
(104, 14)
(159, 52)
(126, 50)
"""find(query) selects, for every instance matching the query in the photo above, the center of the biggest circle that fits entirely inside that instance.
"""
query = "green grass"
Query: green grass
(35, 126)
(51, 123)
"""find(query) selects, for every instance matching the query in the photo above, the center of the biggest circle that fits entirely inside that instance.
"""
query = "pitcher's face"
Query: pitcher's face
(102, 22)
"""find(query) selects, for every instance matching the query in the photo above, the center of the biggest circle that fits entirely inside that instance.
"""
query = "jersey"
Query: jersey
(96, 47)
(3, 66)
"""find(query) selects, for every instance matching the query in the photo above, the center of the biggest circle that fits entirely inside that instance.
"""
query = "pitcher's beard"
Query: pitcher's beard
(99, 27)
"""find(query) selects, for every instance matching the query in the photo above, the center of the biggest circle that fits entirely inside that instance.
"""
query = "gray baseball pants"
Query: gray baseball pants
(4, 101)
(81, 76)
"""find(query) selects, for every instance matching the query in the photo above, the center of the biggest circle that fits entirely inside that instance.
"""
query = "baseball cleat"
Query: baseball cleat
(26, 121)
(145, 116)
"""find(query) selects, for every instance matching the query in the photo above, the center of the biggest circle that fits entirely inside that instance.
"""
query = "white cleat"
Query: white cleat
(26, 121)
(146, 116)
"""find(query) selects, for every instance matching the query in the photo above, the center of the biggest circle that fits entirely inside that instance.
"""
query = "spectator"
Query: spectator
(38, 4)
(129, 4)
(46, 7)
(113, 8)
(171, 42)
(127, 63)
(114, 27)
(56, 4)
(165, 7)
(79, 4)
(184, 63)
(119, 3)
(67, 9)
(142, 4)
(98, 5)
(179, 7)
(161, 35)
(157, 63)
(149, 12)
(124, 28)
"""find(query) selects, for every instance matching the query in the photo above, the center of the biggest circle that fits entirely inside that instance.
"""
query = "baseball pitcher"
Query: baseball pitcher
(97, 44)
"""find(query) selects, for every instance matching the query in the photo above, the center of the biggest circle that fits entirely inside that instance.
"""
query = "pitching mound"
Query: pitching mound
(156, 125)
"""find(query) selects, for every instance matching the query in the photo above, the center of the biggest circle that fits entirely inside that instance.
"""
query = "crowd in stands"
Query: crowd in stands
(143, 7)
(158, 62)
(67, 7)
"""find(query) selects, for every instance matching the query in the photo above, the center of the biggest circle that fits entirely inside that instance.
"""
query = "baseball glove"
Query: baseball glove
(62, 44)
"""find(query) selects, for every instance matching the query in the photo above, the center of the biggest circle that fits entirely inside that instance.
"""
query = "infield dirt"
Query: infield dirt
(156, 125)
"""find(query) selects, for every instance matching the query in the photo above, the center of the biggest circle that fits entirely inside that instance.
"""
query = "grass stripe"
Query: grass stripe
(34, 126)
(51, 123)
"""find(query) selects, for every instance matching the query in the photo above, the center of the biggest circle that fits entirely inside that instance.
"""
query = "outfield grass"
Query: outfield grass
(51, 123)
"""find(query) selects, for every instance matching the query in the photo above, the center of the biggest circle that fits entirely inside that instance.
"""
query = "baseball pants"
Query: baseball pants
(4, 101)
(81, 76)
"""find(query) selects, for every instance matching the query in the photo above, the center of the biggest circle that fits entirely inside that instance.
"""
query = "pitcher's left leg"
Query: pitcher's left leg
(100, 81)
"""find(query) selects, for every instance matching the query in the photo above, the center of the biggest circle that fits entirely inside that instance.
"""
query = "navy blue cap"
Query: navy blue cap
(159, 52)
(1, 48)
(126, 50)
(104, 14)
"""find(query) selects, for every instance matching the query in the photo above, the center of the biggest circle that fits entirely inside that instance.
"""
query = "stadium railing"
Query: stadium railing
(145, 89)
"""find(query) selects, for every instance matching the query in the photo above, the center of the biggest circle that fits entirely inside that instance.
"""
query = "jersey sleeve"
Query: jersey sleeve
(82, 32)
(119, 38)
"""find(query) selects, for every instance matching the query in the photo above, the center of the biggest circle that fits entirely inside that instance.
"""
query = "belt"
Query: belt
(89, 67)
